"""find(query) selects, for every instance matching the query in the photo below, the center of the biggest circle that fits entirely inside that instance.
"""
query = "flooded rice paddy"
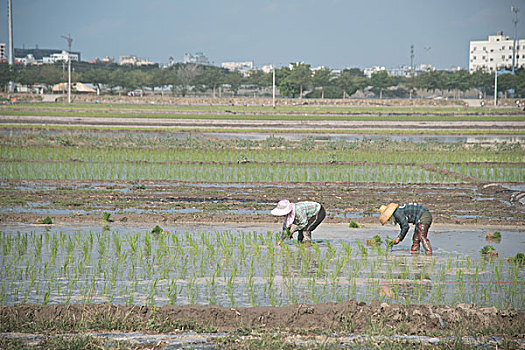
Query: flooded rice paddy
(240, 265)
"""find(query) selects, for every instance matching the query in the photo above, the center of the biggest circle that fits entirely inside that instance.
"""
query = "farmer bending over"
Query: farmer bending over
(405, 214)
(303, 217)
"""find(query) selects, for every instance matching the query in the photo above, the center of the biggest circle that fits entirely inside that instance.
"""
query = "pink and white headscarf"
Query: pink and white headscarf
(288, 219)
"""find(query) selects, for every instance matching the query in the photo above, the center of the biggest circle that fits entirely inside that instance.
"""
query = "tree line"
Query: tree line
(297, 80)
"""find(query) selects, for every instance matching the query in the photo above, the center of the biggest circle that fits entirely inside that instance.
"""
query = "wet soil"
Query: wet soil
(347, 316)
(184, 202)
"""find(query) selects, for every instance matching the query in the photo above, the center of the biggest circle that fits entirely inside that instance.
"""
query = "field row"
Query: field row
(238, 269)
(256, 172)
(258, 116)
(305, 109)
(329, 155)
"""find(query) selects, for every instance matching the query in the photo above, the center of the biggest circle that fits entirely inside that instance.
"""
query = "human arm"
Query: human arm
(403, 224)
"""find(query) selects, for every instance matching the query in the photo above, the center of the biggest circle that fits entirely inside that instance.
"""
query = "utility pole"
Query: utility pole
(496, 86)
(11, 57)
(69, 42)
(273, 87)
(515, 20)
(412, 59)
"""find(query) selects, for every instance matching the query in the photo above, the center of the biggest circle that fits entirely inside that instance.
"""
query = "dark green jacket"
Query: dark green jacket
(407, 213)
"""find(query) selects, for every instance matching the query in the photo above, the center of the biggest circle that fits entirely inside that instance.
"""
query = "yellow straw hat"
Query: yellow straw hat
(386, 212)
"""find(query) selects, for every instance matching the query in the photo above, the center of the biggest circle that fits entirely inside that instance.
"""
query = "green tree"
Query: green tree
(481, 81)
(430, 81)
(6, 75)
(380, 81)
(161, 78)
(96, 76)
(28, 75)
(520, 82)
(186, 75)
(259, 79)
(506, 82)
(211, 78)
(142, 79)
(117, 78)
(300, 76)
(322, 78)
(349, 82)
(234, 79)
(462, 78)
(50, 75)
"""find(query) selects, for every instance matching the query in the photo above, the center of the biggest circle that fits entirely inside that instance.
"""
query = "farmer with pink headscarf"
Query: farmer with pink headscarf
(300, 217)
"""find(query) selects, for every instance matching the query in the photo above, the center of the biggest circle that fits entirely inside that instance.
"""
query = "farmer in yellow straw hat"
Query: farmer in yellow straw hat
(409, 213)
(300, 217)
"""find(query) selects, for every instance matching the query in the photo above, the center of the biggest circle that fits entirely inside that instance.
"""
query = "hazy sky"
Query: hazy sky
(333, 33)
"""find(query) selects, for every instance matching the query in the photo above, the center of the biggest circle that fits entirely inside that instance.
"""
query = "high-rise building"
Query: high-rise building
(495, 53)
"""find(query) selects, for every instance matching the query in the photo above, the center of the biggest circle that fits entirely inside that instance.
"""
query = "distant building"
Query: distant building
(406, 71)
(496, 52)
(134, 61)
(369, 71)
(28, 60)
(106, 59)
(198, 58)
(39, 54)
(243, 67)
(60, 57)
(267, 68)
(3, 55)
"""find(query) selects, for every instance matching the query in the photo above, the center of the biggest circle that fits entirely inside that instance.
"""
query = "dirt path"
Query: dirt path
(259, 124)
(349, 316)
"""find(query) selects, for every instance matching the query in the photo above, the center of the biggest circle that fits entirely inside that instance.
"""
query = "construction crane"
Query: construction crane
(69, 41)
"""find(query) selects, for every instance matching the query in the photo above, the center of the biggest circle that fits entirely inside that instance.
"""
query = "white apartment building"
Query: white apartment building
(59, 57)
(496, 52)
(243, 67)
(198, 58)
(369, 71)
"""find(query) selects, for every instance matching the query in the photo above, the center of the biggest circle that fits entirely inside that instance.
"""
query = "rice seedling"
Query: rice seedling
(376, 241)
(45, 221)
(157, 229)
(106, 216)
(493, 237)
(353, 224)
(186, 270)
(489, 250)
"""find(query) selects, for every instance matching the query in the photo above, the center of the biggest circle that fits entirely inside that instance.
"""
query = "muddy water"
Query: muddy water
(239, 265)
(192, 340)
(455, 240)
(299, 137)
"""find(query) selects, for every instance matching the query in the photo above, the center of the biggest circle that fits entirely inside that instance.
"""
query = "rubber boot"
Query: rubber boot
(300, 236)
(416, 240)
(423, 232)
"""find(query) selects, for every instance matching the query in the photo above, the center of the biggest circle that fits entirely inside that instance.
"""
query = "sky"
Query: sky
(331, 33)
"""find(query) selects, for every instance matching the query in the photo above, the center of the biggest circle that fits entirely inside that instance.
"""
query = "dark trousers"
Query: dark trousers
(313, 222)
(421, 233)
